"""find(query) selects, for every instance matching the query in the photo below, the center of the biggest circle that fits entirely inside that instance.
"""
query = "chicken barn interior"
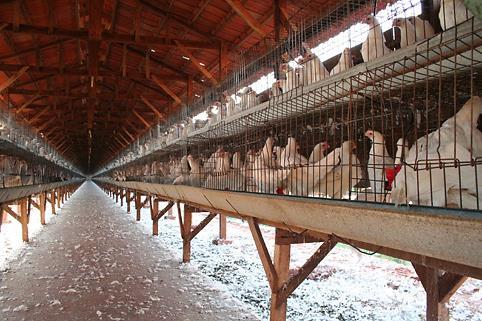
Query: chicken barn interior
(352, 125)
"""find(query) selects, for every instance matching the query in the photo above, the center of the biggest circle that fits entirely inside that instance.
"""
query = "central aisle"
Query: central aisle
(96, 263)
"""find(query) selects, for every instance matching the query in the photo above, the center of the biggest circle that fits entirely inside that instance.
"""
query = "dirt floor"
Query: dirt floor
(96, 263)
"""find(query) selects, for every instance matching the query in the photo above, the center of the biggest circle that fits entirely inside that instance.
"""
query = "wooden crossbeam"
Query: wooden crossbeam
(196, 62)
(7, 83)
(111, 37)
(247, 17)
(164, 87)
(295, 280)
(201, 225)
(7, 209)
(142, 119)
(152, 107)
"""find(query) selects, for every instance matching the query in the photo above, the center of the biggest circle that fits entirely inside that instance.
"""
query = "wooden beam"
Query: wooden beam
(201, 225)
(142, 119)
(26, 104)
(7, 83)
(152, 107)
(164, 87)
(246, 16)
(146, 41)
(196, 62)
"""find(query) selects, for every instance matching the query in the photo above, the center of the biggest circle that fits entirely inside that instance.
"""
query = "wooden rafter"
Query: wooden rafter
(144, 40)
(166, 89)
(152, 107)
(7, 83)
(196, 63)
(142, 119)
(26, 104)
(247, 17)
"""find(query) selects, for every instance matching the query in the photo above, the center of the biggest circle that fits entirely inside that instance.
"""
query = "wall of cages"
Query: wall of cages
(26, 159)
(398, 127)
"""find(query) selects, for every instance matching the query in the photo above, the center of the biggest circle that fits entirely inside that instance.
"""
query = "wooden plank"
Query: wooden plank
(263, 252)
(196, 62)
(7, 83)
(247, 17)
(164, 87)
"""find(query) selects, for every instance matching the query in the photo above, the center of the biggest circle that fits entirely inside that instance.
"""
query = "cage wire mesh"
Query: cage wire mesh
(374, 108)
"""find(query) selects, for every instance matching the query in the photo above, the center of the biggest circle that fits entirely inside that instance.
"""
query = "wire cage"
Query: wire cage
(374, 108)
(25, 158)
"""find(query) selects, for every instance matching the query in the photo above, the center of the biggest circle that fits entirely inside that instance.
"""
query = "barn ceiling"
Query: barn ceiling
(91, 76)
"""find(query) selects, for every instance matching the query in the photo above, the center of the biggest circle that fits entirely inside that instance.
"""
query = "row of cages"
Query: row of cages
(377, 135)
(316, 51)
(16, 171)
(12, 133)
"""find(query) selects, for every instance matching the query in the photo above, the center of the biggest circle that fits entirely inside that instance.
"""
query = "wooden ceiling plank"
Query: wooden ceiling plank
(196, 63)
(164, 87)
(7, 83)
(247, 17)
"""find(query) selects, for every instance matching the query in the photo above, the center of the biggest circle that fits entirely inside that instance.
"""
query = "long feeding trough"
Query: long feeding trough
(333, 122)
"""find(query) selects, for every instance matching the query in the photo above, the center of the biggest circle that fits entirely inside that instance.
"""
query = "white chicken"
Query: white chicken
(441, 172)
(402, 151)
(306, 180)
(340, 181)
(290, 156)
(378, 161)
(423, 28)
(374, 45)
(345, 62)
(453, 12)
(318, 152)
(407, 31)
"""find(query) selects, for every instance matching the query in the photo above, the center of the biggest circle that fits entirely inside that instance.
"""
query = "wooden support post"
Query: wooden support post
(58, 198)
(154, 214)
(439, 288)
(122, 197)
(186, 242)
(128, 201)
(117, 195)
(222, 239)
(282, 255)
(52, 201)
(24, 218)
(138, 206)
(42, 204)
